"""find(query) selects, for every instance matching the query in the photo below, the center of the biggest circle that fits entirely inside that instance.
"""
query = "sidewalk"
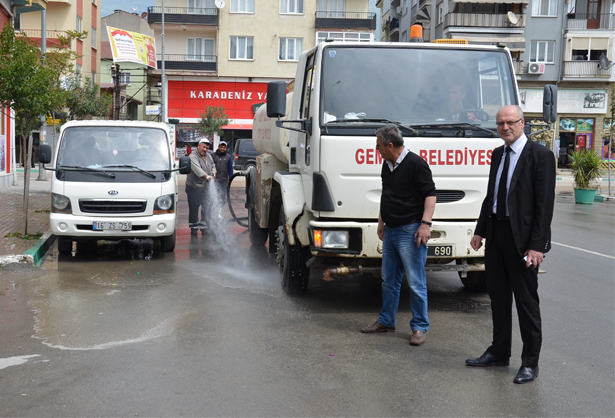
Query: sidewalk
(17, 248)
(34, 249)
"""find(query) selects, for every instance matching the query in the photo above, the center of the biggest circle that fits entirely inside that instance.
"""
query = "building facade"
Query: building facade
(225, 55)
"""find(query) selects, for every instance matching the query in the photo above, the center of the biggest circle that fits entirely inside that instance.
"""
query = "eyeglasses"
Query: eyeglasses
(509, 123)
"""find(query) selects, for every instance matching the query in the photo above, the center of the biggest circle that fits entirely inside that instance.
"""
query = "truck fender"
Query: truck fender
(293, 200)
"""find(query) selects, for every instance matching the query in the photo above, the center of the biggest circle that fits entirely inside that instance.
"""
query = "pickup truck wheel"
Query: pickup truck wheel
(291, 259)
(167, 244)
(475, 282)
(65, 246)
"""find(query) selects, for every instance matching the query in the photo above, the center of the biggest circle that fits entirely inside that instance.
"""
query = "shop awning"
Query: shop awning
(244, 126)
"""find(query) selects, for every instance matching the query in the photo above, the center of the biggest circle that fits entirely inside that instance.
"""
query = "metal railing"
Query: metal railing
(345, 15)
(363, 20)
(590, 21)
(584, 69)
(189, 62)
(486, 20)
(183, 15)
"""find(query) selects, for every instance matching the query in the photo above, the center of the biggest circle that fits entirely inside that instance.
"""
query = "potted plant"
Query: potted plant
(586, 169)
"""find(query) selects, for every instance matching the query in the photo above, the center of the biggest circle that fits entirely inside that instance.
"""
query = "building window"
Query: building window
(93, 37)
(242, 6)
(124, 78)
(79, 24)
(93, 79)
(344, 36)
(78, 74)
(440, 12)
(200, 6)
(242, 47)
(291, 6)
(290, 49)
(200, 49)
(542, 51)
(336, 8)
(544, 7)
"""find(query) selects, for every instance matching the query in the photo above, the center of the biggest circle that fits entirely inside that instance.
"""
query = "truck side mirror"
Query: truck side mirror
(276, 99)
(44, 154)
(184, 165)
(549, 103)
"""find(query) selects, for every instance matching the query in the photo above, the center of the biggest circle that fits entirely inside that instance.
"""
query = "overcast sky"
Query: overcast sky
(108, 6)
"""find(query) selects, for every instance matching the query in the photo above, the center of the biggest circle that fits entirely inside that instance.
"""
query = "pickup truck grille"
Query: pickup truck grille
(112, 206)
(448, 196)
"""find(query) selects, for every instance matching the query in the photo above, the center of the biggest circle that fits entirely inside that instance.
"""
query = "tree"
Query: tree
(84, 99)
(29, 85)
(212, 120)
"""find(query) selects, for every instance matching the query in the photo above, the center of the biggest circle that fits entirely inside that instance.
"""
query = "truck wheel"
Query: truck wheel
(258, 235)
(291, 259)
(475, 282)
(167, 244)
(65, 246)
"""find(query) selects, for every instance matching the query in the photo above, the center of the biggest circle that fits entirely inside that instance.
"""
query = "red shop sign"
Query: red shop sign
(188, 98)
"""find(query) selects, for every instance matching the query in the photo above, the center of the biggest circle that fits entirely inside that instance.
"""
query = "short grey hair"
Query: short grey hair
(519, 110)
(390, 134)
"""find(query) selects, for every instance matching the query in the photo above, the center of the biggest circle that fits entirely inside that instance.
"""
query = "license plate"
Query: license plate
(440, 251)
(124, 226)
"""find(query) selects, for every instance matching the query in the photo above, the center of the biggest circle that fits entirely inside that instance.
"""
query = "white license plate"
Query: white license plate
(440, 251)
(124, 226)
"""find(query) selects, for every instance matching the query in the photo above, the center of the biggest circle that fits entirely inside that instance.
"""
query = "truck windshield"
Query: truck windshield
(117, 147)
(414, 86)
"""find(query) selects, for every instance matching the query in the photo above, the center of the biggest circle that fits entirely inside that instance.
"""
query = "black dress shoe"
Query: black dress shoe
(487, 359)
(526, 374)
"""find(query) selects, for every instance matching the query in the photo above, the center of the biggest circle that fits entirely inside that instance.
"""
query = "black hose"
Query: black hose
(228, 199)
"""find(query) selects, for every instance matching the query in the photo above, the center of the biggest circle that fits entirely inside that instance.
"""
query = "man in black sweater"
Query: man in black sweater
(406, 207)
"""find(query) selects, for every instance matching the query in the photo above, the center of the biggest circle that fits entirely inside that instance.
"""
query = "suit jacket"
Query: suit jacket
(531, 197)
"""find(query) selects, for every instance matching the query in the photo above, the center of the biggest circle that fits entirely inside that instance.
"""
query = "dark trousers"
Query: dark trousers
(197, 205)
(508, 276)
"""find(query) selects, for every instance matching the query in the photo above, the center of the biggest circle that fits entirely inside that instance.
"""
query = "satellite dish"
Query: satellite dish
(512, 18)
(219, 4)
(604, 63)
(134, 9)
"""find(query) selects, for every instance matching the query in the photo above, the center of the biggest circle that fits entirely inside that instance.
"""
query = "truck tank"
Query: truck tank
(267, 137)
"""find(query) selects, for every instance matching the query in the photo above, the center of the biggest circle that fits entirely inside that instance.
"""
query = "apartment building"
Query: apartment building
(63, 15)
(223, 53)
(551, 42)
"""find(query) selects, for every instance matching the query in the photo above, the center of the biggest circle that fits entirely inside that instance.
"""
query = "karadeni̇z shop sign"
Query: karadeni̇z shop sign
(188, 98)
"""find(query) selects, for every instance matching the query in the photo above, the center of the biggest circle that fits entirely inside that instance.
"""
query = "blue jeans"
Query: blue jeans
(400, 254)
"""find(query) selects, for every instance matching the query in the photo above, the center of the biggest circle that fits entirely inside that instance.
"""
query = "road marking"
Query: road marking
(15, 361)
(586, 251)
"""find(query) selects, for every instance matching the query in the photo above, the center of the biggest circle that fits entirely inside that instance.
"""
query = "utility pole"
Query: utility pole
(42, 173)
(162, 81)
(116, 113)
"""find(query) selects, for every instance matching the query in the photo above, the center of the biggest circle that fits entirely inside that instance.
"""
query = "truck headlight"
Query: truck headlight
(60, 203)
(164, 204)
(330, 239)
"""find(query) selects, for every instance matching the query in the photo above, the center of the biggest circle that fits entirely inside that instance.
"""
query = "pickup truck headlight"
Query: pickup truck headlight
(60, 203)
(164, 204)
(330, 239)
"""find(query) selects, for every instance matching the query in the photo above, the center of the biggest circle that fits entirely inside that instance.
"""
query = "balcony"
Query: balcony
(590, 21)
(188, 62)
(53, 37)
(584, 69)
(482, 20)
(346, 20)
(182, 16)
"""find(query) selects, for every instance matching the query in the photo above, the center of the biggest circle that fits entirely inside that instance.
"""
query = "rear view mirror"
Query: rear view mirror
(276, 99)
(184, 165)
(549, 103)
(44, 154)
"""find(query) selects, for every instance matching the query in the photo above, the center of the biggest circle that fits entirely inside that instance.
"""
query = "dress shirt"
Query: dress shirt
(399, 159)
(515, 151)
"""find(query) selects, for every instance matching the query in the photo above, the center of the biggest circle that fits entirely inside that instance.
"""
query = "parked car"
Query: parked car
(244, 155)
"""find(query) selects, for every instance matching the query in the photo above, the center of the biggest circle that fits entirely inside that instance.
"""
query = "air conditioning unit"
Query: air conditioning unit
(398, 10)
(535, 68)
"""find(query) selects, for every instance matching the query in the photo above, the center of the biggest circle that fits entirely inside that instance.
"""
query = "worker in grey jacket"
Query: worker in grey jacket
(197, 186)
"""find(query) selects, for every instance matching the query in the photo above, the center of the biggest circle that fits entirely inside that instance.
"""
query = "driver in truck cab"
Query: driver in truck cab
(456, 104)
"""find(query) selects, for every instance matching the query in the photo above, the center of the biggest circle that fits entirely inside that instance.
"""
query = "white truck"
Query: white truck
(316, 190)
(113, 180)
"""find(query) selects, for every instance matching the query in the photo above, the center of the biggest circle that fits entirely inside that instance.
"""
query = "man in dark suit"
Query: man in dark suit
(515, 219)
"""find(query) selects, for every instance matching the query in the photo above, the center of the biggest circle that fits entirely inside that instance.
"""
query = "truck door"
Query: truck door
(304, 140)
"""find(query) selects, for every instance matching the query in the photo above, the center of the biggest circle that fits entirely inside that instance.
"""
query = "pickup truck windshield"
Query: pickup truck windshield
(414, 86)
(115, 148)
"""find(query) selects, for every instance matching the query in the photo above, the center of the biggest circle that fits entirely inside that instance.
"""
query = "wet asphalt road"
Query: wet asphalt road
(124, 330)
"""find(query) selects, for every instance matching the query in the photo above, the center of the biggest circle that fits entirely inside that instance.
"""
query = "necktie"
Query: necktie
(501, 209)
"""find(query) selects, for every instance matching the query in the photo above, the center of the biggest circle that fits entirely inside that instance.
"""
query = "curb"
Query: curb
(39, 250)
(34, 255)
